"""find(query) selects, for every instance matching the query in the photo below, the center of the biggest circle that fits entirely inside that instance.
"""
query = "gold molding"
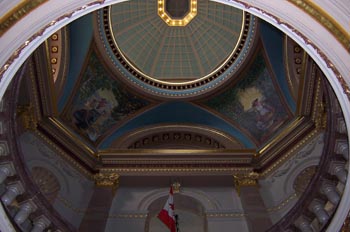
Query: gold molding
(225, 215)
(59, 125)
(282, 204)
(327, 21)
(191, 170)
(64, 155)
(175, 151)
(282, 135)
(130, 216)
(17, 13)
(291, 151)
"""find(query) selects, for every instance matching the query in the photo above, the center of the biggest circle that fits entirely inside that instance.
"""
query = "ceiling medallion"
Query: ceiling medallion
(177, 12)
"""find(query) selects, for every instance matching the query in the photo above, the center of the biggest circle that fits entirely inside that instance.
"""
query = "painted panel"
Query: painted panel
(100, 102)
(255, 104)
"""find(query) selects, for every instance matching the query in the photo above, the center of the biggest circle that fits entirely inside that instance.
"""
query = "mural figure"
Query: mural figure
(100, 102)
(96, 110)
(264, 114)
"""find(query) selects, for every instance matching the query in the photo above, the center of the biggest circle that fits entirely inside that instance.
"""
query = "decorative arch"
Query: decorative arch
(297, 173)
(190, 211)
(175, 135)
(47, 182)
(205, 201)
(302, 180)
(51, 170)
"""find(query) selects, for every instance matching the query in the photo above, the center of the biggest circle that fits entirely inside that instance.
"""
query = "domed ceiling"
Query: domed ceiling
(192, 88)
(110, 102)
(173, 61)
(99, 100)
(175, 53)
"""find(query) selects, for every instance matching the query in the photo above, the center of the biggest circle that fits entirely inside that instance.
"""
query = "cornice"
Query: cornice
(153, 136)
(17, 13)
(327, 21)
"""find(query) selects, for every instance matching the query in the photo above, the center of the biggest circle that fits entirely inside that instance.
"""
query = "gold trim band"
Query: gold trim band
(315, 11)
(17, 13)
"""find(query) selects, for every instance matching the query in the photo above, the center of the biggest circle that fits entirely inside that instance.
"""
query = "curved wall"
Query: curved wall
(30, 31)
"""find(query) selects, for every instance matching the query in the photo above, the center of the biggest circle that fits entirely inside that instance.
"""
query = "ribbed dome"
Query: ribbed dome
(180, 53)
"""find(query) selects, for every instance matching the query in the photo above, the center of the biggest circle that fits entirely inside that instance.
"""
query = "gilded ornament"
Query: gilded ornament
(250, 179)
(176, 186)
(54, 61)
(54, 49)
(54, 36)
(107, 179)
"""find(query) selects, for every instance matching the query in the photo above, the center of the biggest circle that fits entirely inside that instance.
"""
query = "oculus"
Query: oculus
(177, 12)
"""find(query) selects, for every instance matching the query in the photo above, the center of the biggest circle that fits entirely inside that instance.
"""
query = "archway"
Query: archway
(190, 213)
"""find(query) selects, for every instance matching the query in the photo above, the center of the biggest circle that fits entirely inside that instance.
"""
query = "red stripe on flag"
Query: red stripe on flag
(167, 220)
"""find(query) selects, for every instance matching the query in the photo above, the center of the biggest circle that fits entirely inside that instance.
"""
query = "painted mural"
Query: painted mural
(100, 102)
(254, 104)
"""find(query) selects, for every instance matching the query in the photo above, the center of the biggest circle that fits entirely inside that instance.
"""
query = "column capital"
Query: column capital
(108, 179)
(250, 179)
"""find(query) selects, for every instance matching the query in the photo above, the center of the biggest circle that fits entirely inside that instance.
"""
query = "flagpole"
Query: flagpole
(177, 223)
